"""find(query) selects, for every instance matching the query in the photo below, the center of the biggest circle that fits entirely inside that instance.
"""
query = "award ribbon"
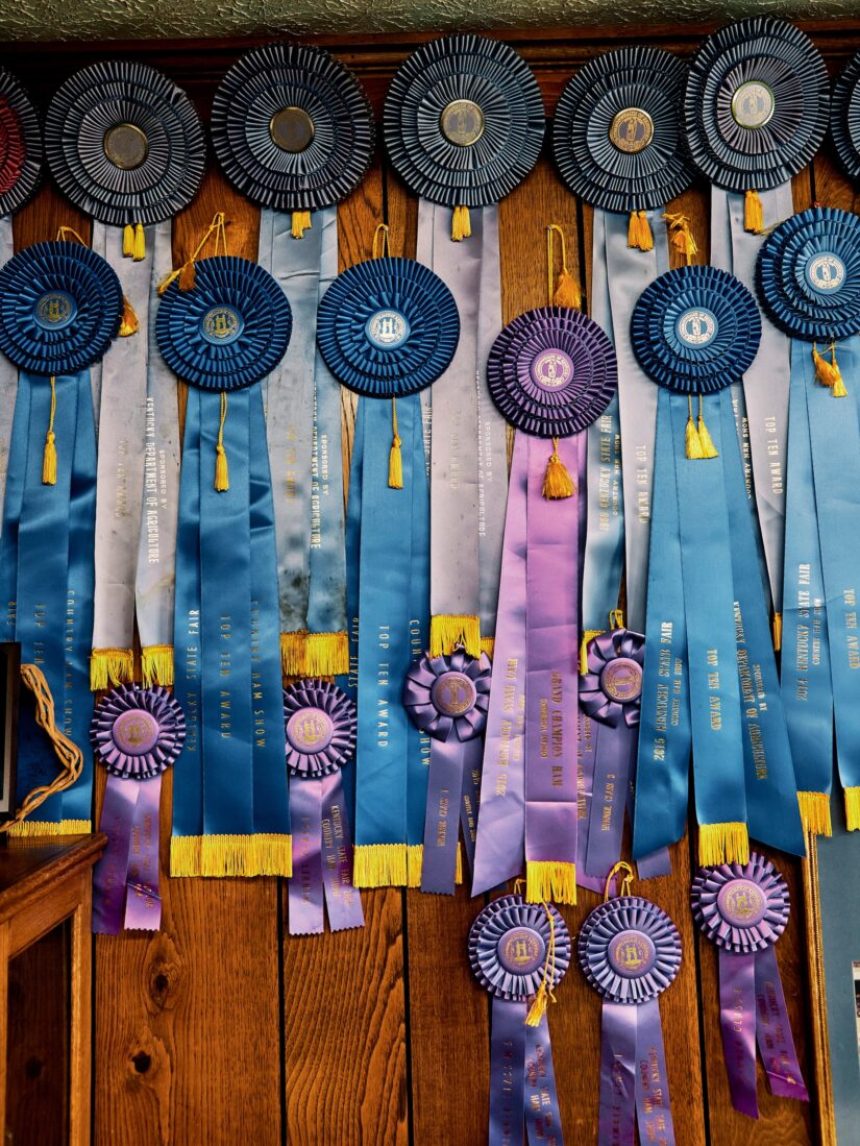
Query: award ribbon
(743, 909)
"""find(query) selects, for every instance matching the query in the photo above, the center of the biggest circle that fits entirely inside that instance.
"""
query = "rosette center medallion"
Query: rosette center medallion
(462, 122)
(631, 130)
(521, 950)
(55, 310)
(126, 146)
(454, 694)
(753, 104)
(697, 327)
(310, 730)
(292, 130)
(552, 369)
(136, 732)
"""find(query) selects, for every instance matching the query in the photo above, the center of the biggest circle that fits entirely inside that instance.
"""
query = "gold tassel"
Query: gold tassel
(753, 213)
(156, 664)
(380, 865)
(488, 646)
(723, 843)
(828, 373)
(682, 235)
(139, 249)
(188, 276)
(326, 654)
(567, 291)
(776, 626)
(852, 809)
(548, 881)
(461, 224)
(49, 455)
(544, 993)
(539, 1004)
(815, 812)
(395, 458)
(222, 472)
(129, 323)
(557, 482)
(128, 241)
(301, 222)
(639, 234)
(293, 647)
(709, 450)
(450, 630)
(587, 637)
(229, 855)
(109, 667)
(167, 280)
(692, 442)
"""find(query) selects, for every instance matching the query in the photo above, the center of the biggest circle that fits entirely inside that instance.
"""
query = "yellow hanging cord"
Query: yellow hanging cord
(828, 373)
(626, 882)
(222, 473)
(753, 213)
(395, 458)
(64, 232)
(706, 442)
(49, 456)
(545, 993)
(381, 242)
(563, 291)
(186, 273)
(681, 235)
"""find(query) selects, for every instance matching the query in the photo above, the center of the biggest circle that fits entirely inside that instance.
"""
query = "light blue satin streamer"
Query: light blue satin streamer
(12, 510)
(663, 762)
(771, 788)
(353, 553)
(418, 743)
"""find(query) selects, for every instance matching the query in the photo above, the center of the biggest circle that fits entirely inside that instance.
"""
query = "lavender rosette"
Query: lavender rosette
(743, 909)
(630, 952)
(447, 698)
(137, 733)
(320, 722)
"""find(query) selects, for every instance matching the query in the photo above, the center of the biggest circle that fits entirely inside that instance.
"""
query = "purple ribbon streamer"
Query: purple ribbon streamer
(653, 1110)
(342, 899)
(613, 751)
(441, 819)
(617, 1074)
(773, 1030)
(143, 901)
(110, 873)
(552, 653)
(542, 1112)
(738, 1026)
(507, 1072)
(586, 743)
(473, 754)
(305, 888)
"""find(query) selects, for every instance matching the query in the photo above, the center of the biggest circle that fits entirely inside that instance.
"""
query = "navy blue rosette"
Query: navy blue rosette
(320, 723)
(20, 145)
(808, 275)
(60, 307)
(617, 131)
(124, 143)
(845, 116)
(137, 733)
(756, 104)
(387, 327)
(292, 127)
(230, 331)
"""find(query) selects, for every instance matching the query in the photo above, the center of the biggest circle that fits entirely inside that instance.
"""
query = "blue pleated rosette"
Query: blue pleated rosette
(321, 725)
(60, 307)
(742, 908)
(629, 950)
(695, 330)
(20, 145)
(808, 275)
(388, 327)
(617, 134)
(292, 127)
(137, 733)
(756, 104)
(464, 121)
(230, 330)
(552, 372)
(845, 116)
(124, 143)
(509, 945)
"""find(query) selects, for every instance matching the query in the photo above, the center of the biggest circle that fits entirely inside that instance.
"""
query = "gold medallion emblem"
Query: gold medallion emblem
(126, 146)
(521, 950)
(453, 694)
(631, 130)
(292, 130)
(462, 122)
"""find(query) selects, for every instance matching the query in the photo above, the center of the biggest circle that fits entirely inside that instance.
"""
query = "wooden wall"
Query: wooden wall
(221, 1029)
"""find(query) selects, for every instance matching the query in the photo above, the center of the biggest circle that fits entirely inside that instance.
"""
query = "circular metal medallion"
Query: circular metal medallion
(753, 104)
(697, 327)
(126, 146)
(631, 130)
(387, 329)
(55, 310)
(825, 273)
(222, 325)
(621, 680)
(136, 732)
(462, 122)
(521, 950)
(310, 730)
(454, 694)
(742, 902)
(632, 954)
(552, 369)
(292, 130)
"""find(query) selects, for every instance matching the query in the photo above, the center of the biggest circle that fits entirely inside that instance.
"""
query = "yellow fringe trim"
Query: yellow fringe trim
(262, 854)
(293, 648)
(550, 882)
(109, 667)
(587, 637)
(723, 843)
(326, 654)
(448, 630)
(156, 662)
(852, 809)
(415, 861)
(380, 865)
(776, 626)
(30, 828)
(815, 812)
(488, 646)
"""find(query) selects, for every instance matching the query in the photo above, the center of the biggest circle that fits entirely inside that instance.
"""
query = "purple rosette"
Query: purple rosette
(611, 690)
(509, 943)
(629, 949)
(137, 732)
(320, 722)
(742, 908)
(448, 697)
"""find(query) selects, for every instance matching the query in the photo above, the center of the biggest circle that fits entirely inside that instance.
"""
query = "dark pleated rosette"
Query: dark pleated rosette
(464, 121)
(509, 945)
(321, 727)
(448, 697)
(60, 307)
(124, 143)
(20, 145)
(611, 689)
(695, 330)
(137, 732)
(388, 327)
(808, 275)
(552, 372)
(618, 134)
(629, 949)
(230, 330)
(756, 104)
(292, 127)
(845, 116)
(743, 908)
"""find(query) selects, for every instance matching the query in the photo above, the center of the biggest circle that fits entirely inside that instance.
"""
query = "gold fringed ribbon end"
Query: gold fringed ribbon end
(129, 323)
(326, 654)
(450, 630)
(109, 667)
(128, 241)
(415, 862)
(381, 865)
(557, 482)
(815, 813)
(36, 829)
(828, 373)
(567, 291)
(550, 882)
(852, 809)
(753, 213)
(723, 843)
(639, 235)
(488, 646)
(293, 649)
(587, 637)
(156, 663)
(776, 627)
(227, 855)
(139, 245)
(301, 222)
(461, 224)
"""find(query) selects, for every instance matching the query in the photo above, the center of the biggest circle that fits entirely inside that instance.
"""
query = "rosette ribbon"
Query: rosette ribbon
(137, 734)
(551, 373)
(320, 727)
(387, 328)
(845, 116)
(463, 124)
(710, 679)
(59, 310)
(809, 284)
(630, 952)
(519, 952)
(223, 334)
(447, 698)
(743, 909)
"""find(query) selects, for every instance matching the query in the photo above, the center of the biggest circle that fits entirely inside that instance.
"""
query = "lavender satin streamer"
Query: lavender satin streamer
(473, 754)
(305, 889)
(444, 789)
(585, 744)
(773, 1030)
(143, 901)
(342, 899)
(653, 1110)
(738, 1027)
(507, 1072)
(543, 1117)
(617, 1074)
(109, 875)
(609, 798)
